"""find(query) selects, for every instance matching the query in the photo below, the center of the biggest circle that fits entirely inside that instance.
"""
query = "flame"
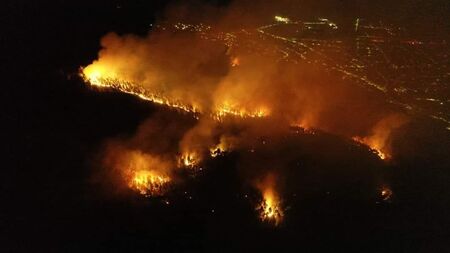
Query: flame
(216, 150)
(375, 144)
(99, 76)
(235, 62)
(163, 70)
(380, 137)
(189, 159)
(145, 173)
(226, 144)
(270, 207)
(149, 183)
(94, 74)
(195, 78)
(386, 193)
(231, 109)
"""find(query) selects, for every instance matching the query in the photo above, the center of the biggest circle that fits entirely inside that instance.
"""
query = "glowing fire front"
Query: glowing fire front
(380, 137)
(99, 76)
(227, 110)
(149, 183)
(226, 144)
(189, 159)
(102, 79)
(145, 173)
(270, 209)
(374, 145)
(217, 150)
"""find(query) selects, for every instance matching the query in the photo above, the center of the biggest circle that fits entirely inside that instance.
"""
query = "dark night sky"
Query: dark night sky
(52, 126)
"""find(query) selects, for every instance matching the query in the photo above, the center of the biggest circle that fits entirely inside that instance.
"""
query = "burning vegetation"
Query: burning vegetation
(386, 193)
(189, 159)
(226, 144)
(237, 95)
(148, 183)
(270, 206)
(380, 138)
(148, 174)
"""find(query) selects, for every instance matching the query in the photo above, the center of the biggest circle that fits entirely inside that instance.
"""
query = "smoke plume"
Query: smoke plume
(240, 87)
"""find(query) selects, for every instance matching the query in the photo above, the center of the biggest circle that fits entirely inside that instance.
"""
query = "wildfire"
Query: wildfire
(94, 75)
(97, 77)
(235, 62)
(379, 139)
(226, 143)
(189, 159)
(218, 149)
(232, 110)
(145, 173)
(198, 79)
(270, 207)
(215, 151)
(386, 193)
(305, 124)
(149, 183)
(376, 145)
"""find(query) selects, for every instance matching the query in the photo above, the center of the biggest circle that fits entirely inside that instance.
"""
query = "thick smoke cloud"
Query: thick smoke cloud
(244, 92)
(182, 67)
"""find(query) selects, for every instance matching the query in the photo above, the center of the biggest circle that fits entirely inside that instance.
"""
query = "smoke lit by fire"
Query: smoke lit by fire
(379, 139)
(147, 174)
(234, 101)
(225, 144)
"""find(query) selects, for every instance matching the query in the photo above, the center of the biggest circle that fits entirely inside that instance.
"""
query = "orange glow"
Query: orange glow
(305, 124)
(192, 73)
(96, 74)
(189, 159)
(145, 173)
(226, 109)
(380, 138)
(270, 207)
(217, 150)
(98, 77)
(149, 183)
(235, 62)
(148, 174)
(386, 193)
(375, 144)
(226, 144)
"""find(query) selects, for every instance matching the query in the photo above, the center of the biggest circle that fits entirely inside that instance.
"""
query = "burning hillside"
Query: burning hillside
(236, 92)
